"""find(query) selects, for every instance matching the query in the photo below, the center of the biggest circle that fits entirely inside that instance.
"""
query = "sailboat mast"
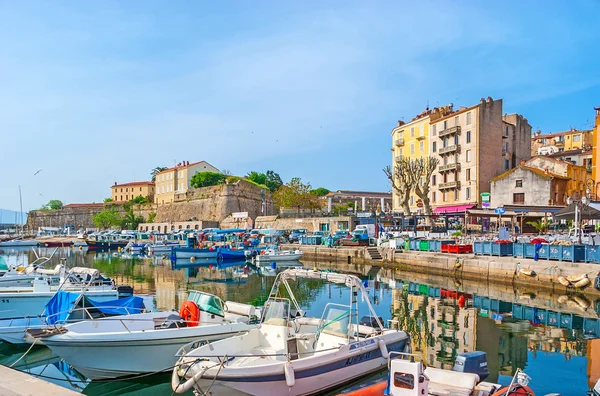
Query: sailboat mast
(21, 212)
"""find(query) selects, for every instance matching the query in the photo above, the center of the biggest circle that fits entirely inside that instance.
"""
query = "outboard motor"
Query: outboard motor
(472, 362)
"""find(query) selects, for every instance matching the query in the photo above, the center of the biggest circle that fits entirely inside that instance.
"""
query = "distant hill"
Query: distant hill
(8, 216)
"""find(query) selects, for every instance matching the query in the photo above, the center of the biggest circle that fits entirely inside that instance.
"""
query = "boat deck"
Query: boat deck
(16, 383)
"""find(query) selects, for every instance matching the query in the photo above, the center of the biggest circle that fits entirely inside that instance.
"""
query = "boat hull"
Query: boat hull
(187, 253)
(19, 244)
(332, 371)
(135, 353)
(14, 330)
(94, 245)
(264, 258)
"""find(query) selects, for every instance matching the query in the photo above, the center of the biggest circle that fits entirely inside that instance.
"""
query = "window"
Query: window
(433, 130)
(434, 147)
(140, 188)
(456, 120)
(433, 196)
(445, 141)
(506, 164)
(412, 148)
(456, 195)
(468, 193)
(422, 132)
(121, 189)
(576, 138)
(468, 136)
(519, 198)
(421, 145)
(468, 155)
(445, 124)
(519, 183)
(455, 139)
(506, 131)
(469, 118)
(505, 147)
(127, 197)
(444, 196)
(468, 175)
(433, 180)
(445, 178)
(412, 131)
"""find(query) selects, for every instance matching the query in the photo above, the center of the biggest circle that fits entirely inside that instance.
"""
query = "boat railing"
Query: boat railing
(89, 315)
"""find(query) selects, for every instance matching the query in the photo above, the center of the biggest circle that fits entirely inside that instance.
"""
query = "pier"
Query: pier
(17, 383)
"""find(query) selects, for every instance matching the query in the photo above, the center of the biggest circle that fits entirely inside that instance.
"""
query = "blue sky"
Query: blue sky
(97, 92)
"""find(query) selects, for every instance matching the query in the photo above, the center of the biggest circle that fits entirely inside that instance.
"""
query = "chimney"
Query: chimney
(523, 162)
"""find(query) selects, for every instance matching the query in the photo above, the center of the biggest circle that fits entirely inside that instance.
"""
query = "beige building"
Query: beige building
(128, 191)
(176, 180)
(475, 144)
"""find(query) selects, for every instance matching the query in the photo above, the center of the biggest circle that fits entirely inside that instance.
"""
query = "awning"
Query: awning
(452, 209)
(589, 212)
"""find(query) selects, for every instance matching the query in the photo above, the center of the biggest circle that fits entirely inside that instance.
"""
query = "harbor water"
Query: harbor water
(556, 344)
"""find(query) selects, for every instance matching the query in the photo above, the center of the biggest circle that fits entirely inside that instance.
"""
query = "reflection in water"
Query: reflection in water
(550, 336)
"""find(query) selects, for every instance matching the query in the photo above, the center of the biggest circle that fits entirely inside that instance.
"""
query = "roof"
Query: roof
(142, 183)
(536, 171)
(84, 205)
(180, 166)
(571, 152)
(551, 158)
(366, 194)
(555, 134)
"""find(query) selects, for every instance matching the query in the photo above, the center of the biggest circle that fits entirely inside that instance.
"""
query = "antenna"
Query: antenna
(427, 104)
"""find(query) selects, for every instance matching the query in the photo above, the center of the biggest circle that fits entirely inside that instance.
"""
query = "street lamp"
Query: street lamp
(590, 190)
(579, 204)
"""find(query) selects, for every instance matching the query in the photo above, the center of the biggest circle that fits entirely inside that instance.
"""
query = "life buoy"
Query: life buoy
(190, 313)
(517, 390)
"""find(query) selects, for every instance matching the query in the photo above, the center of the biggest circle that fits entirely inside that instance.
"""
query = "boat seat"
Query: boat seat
(450, 383)
(172, 321)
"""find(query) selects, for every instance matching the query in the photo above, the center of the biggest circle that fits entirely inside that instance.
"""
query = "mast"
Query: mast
(21, 210)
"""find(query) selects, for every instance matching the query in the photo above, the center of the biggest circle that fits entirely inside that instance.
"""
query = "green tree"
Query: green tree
(296, 194)
(139, 200)
(273, 181)
(257, 177)
(320, 192)
(157, 170)
(107, 200)
(107, 218)
(540, 225)
(53, 204)
(131, 221)
(204, 179)
(151, 217)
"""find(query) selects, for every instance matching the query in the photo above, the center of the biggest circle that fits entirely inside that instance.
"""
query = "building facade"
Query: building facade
(361, 201)
(595, 148)
(176, 180)
(475, 144)
(578, 176)
(128, 191)
(552, 143)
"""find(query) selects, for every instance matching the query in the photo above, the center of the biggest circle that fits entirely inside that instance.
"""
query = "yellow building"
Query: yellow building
(128, 191)
(579, 176)
(552, 143)
(410, 140)
(176, 180)
(596, 146)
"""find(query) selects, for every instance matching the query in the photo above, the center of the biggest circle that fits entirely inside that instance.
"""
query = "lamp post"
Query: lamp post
(590, 189)
(579, 204)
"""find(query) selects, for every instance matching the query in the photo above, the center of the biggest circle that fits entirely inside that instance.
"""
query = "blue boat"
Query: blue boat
(188, 253)
(231, 254)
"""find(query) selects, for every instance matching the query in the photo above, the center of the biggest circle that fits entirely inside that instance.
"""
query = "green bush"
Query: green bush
(205, 179)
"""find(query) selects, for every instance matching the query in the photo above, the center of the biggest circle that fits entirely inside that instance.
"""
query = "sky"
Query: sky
(93, 93)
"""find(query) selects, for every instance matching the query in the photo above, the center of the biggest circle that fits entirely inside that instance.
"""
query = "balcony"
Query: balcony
(450, 149)
(449, 167)
(400, 142)
(449, 131)
(421, 137)
(398, 158)
(449, 185)
(559, 143)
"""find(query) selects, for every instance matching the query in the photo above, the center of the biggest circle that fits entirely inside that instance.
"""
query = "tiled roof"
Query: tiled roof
(177, 167)
(555, 134)
(537, 171)
(142, 183)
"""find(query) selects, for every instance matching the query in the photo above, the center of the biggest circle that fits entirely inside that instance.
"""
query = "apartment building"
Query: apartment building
(552, 143)
(176, 180)
(475, 144)
(128, 191)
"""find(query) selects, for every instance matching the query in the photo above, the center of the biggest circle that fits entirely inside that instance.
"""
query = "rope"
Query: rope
(214, 379)
(346, 313)
(26, 352)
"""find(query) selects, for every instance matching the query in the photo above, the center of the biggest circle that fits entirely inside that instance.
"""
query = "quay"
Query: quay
(17, 383)
(499, 270)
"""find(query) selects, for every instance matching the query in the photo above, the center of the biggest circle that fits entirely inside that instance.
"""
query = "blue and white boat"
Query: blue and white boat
(195, 253)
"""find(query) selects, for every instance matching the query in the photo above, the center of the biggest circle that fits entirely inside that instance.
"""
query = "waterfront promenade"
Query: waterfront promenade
(503, 270)
(17, 383)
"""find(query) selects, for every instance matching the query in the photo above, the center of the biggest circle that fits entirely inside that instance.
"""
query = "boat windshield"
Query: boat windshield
(336, 320)
(207, 302)
(277, 312)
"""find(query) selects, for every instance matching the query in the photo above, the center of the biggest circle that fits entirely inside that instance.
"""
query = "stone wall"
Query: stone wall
(216, 203)
(79, 217)
(310, 223)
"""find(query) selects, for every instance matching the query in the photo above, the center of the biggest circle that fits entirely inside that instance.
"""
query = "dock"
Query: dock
(17, 383)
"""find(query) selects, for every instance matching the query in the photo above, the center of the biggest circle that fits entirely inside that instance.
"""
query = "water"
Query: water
(563, 357)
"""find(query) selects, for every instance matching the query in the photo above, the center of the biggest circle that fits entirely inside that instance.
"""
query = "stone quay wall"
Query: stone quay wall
(499, 270)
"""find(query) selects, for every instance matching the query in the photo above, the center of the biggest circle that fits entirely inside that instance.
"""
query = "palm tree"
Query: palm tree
(540, 225)
(156, 170)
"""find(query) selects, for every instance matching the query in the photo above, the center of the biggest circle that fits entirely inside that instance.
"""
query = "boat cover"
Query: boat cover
(62, 303)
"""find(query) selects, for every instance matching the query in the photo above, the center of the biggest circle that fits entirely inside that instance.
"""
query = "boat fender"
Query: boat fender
(563, 299)
(582, 283)
(290, 378)
(576, 278)
(516, 390)
(527, 272)
(192, 259)
(563, 281)
(190, 313)
(582, 302)
(383, 348)
(176, 384)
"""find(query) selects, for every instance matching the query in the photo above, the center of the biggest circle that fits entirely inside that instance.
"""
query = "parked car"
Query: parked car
(296, 234)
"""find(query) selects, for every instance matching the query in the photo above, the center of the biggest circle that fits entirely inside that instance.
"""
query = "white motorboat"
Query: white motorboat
(269, 255)
(31, 299)
(161, 247)
(290, 354)
(19, 243)
(147, 342)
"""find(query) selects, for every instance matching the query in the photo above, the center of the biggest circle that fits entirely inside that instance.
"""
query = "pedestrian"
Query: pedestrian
(330, 240)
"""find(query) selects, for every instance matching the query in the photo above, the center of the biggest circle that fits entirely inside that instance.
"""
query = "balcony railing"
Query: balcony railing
(400, 142)
(449, 167)
(449, 185)
(420, 137)
(449, 131)
(450, 149)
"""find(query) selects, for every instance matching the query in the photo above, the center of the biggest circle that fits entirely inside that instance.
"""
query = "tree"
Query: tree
(402, 182)
(320, 192)
(421, 171)
(53, 204)
(257, 177)
(296, 194)
(204, 179)
(107, 200)
(151, 217)
(540, 225)
(139, 200)
(131, 221)
(157, 170)
(107, 218)
(273, 181)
